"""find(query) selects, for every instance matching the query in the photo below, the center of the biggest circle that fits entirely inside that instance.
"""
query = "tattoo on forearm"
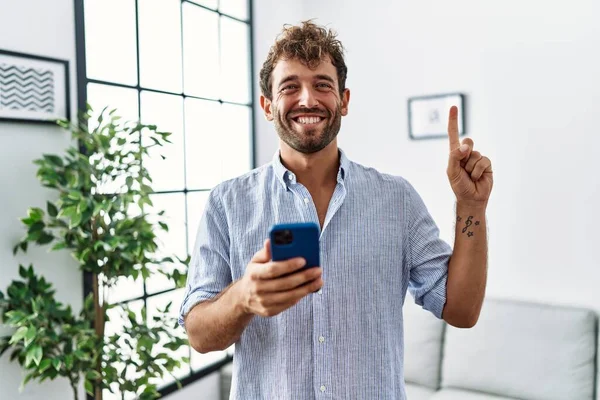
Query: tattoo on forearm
(468, 224)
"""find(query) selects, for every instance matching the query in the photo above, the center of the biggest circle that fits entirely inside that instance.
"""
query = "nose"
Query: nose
(307, 98)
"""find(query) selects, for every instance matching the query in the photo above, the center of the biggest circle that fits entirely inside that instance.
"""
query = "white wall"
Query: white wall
(530, 72)
(269, 17)
(43, 28)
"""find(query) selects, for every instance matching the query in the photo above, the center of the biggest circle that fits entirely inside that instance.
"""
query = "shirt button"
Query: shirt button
(322, 388)
(291, 177)
(306, 200)
(320, 291)
(321, 339)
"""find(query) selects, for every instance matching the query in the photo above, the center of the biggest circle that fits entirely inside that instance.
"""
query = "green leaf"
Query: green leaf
(146, 189)
(145, 200)
(55, 160)
(68, 212)
(82, 206)
(27, 221)
(93, 375)
(75, 220)
(36, 214)
(74, 195)
(56, 363)
(52, 210)
(30, 335)
(45, 364)
(34, 354)
(13, 317)
(80, 355)
(69, 361)
(97, 208)
(84, 255)
(59, 246)
(45, 238)
(164, 226)
(89, 388)
(34, 236)
(73, 179)
(37, 354)
(18, 335)
(36, 226)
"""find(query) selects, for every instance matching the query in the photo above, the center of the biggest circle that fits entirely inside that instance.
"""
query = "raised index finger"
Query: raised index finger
(453, 128)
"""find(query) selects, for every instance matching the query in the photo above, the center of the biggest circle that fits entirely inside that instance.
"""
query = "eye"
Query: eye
(289, 88)
(324, 85)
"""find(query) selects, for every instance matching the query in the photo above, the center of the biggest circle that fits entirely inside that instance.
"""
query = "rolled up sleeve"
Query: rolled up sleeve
(209, 270)
(427, 255)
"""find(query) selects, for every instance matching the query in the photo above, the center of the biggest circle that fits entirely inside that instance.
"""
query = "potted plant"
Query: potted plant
(101, 217)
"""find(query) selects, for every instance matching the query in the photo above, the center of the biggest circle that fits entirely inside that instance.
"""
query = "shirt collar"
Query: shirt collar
(287, 177)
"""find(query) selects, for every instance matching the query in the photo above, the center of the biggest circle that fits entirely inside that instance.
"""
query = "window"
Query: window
(186, 67)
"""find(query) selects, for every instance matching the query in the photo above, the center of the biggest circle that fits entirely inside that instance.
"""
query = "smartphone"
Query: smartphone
(296, 240)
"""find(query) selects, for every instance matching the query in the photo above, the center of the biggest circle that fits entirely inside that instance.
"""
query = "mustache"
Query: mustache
(315, 111)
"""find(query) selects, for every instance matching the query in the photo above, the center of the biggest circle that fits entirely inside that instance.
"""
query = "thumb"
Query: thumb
(456, 156)
(264, 254)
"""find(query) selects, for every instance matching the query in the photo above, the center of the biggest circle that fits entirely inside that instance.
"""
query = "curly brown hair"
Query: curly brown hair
(309, 44)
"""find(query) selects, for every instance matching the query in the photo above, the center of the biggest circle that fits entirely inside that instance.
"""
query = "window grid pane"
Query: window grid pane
(104, 46)
(160, 49)
(200, 51)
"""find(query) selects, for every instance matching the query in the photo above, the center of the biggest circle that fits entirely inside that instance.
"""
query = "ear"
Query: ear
(345, 101)
(265, 104)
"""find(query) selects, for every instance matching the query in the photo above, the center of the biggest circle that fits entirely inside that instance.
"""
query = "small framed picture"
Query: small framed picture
(428, 115)
(33, 88)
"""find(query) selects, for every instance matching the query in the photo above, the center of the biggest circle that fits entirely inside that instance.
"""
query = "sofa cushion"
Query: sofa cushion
(415, 392)
(457, 394)
(423, 334)
(528, 351)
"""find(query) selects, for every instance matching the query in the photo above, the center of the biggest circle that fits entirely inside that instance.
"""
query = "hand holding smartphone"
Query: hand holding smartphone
(276, 278)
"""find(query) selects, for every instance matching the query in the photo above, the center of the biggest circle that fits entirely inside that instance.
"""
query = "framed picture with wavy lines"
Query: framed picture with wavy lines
(33, 88)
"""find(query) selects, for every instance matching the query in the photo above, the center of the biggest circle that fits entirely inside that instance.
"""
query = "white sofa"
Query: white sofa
(517, 350)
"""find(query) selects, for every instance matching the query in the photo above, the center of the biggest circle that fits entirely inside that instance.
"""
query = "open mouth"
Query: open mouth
(308, 121)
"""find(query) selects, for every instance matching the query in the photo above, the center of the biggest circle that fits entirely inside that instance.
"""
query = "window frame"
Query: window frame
(82, 82)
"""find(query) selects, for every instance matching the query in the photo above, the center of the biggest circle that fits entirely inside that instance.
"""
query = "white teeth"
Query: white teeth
(308, 120)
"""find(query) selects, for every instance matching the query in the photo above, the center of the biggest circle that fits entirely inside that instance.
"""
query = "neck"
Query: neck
(313, 170)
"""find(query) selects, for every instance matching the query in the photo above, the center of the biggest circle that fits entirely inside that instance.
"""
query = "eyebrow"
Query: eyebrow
(316, 77)
(288, 79)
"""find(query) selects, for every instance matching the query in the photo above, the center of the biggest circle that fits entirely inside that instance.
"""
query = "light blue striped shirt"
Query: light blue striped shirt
(346, 341)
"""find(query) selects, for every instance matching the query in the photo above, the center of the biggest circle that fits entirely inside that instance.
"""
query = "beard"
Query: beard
(308, 141)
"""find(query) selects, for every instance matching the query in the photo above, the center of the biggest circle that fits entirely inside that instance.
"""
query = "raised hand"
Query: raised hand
(469, 172)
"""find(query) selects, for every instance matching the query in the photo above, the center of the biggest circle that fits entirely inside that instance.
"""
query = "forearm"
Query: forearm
(217, 323)
(467, 272)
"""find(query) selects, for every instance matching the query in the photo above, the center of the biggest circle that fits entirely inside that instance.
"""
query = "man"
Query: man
(335, 331)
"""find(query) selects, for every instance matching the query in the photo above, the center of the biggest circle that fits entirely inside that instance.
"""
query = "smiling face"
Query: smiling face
(306, 105)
